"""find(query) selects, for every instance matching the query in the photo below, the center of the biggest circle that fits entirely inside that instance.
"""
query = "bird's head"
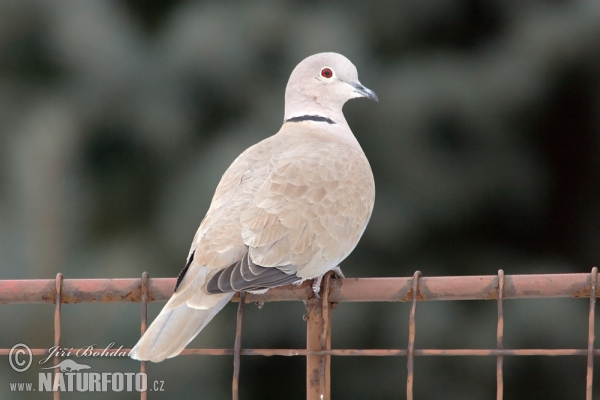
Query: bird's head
(321, 84)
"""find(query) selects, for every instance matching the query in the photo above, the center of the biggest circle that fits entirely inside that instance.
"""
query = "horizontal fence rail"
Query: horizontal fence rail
(318, 351)
(484, 287)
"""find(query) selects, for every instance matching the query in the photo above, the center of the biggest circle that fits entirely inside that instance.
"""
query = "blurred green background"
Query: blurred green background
(117, 120)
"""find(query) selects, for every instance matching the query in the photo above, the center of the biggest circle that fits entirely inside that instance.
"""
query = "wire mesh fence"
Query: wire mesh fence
(318, 351)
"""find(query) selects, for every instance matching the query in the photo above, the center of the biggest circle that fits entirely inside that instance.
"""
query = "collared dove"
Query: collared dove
(288, 209)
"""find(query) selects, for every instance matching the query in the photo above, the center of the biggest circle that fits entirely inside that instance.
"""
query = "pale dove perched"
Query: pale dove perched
(288, 209)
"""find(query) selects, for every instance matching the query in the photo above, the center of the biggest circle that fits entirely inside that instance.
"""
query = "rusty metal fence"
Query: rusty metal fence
(318, 351)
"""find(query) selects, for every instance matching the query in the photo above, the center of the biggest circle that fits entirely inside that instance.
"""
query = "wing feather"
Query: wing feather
(313, 208)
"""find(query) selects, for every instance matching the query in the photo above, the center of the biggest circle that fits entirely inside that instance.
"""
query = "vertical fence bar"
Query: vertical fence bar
(144, 324)
(57, 302)
(500, 338)
(237, 348)
(326, 309)
(410, 363)
(316, 366)
(591, 334)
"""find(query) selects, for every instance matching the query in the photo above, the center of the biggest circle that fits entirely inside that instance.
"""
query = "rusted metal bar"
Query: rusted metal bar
(235, 385)
(483, 287)
(45, 352)
(354, 352)
(326, 309)
(504, 352)
(58, 289)
(410, 352)
(82, 290)
(500, 338)
(316, 383)
(591, 334)
(33, 291)
(461, 288)
(144, 323)
(313, 387)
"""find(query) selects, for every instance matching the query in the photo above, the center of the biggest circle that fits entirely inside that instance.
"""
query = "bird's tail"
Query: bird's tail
(182, 318)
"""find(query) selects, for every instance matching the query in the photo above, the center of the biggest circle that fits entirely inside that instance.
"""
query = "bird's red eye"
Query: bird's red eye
(326, 73)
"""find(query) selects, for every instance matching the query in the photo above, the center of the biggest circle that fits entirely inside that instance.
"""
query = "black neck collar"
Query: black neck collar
(316, 118)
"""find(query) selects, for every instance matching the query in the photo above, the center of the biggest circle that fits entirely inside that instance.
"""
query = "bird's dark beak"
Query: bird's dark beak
(364, 92)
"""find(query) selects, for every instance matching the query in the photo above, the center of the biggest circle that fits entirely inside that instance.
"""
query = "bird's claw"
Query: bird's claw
(337, 272)
(316, 285)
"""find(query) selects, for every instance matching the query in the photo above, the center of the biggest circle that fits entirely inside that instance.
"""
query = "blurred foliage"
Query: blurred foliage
(118, 119)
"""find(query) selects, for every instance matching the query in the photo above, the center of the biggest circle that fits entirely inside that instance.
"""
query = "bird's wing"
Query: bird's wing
(312, 209)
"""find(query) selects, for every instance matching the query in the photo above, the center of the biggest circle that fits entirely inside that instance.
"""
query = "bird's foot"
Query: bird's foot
(337, 272)
(316, 285)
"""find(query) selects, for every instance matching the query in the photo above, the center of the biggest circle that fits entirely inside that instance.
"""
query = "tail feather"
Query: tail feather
(173, 329)
(190, 287)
